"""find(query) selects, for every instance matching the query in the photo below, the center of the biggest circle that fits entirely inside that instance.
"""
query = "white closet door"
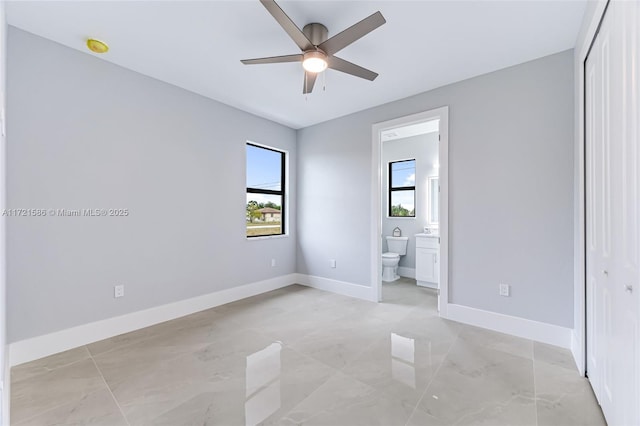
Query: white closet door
(613, 237)
(600, 293)
(593, 237)
(626, 201)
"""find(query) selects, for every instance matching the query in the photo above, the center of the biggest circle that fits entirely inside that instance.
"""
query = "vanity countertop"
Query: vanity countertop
(423, 235)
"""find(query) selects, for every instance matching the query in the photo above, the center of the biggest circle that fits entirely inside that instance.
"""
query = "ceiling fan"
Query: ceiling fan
(317, 49)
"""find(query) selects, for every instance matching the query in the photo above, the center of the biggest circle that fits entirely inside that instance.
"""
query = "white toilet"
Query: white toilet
(397, 247)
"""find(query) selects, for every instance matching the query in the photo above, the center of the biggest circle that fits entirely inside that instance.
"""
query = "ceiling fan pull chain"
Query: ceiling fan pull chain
(324, 81)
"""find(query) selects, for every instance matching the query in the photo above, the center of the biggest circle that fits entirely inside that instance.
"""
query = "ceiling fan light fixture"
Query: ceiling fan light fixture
(314, 61)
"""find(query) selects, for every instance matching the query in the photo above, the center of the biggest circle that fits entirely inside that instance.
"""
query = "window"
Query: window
(402, 188)
(265, 191)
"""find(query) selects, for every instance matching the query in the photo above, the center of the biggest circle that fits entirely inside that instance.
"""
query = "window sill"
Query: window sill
(267, 237)
(401, 217)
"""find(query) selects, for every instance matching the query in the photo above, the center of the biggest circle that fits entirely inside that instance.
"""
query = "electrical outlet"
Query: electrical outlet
(118, 291)
(332, 263)
(273, 263)
(504, 290)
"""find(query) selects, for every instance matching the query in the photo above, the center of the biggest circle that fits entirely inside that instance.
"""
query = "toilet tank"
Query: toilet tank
(397, 245)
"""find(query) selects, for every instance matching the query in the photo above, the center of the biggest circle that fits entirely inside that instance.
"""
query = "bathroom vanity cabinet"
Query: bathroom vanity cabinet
(427, 258)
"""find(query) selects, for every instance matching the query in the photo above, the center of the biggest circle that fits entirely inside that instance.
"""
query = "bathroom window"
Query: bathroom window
(265, 214)
(402, 188)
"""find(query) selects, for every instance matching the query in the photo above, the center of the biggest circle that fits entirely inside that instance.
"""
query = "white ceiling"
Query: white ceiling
(197, 45)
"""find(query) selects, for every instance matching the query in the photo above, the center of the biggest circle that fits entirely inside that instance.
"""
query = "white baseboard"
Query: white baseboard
(577, 350)
(516, 326)
(5, 414)
(340, 287)
(406, 272)
(427, 284)
(59, 341)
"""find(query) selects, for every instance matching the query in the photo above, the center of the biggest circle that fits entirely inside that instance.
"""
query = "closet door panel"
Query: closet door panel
(627, 237)
(592, 215)
(612, 132)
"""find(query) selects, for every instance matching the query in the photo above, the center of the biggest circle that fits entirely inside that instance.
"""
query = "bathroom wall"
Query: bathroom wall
(85, 133)
(424, 148)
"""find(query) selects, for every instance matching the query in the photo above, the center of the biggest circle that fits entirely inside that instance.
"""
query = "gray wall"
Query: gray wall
(85, 133)
(511, 189)
(424, 148)
(4, 389)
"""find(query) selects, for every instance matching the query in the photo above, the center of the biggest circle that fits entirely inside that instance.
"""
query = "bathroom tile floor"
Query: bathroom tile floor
(302, 356)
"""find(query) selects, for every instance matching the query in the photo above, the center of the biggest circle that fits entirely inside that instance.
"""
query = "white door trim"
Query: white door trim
(376, 193)
(578, 346)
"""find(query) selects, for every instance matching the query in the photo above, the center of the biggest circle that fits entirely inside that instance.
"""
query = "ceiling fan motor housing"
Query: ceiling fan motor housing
(316, 33)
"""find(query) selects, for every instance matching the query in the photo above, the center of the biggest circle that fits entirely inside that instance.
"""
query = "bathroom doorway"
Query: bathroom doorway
(409, 234)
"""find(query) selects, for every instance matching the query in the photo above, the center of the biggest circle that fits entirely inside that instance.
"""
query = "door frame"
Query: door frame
(579, 336)
(441, 114)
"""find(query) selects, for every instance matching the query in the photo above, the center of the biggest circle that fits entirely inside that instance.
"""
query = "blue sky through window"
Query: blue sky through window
(403, 173)
(263, 168)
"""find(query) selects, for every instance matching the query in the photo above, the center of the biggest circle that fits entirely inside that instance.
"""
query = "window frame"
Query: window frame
(400, 188)
(281, 192)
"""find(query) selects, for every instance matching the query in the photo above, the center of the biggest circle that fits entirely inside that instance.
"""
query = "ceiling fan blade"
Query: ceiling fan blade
(287, 24)
(309, 81)
(273, 59)
(351, 34)
(349, 68)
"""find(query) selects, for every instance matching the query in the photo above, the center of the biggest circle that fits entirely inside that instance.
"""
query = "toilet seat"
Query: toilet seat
(390, 255)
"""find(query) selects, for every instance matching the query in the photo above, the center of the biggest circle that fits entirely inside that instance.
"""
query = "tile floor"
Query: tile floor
(303, 356)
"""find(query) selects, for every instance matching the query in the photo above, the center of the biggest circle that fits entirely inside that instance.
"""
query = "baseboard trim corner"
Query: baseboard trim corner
(41, 346)
(339, 287)
(406, 272)
(577, 350)
(5, 412)
(516, 326)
